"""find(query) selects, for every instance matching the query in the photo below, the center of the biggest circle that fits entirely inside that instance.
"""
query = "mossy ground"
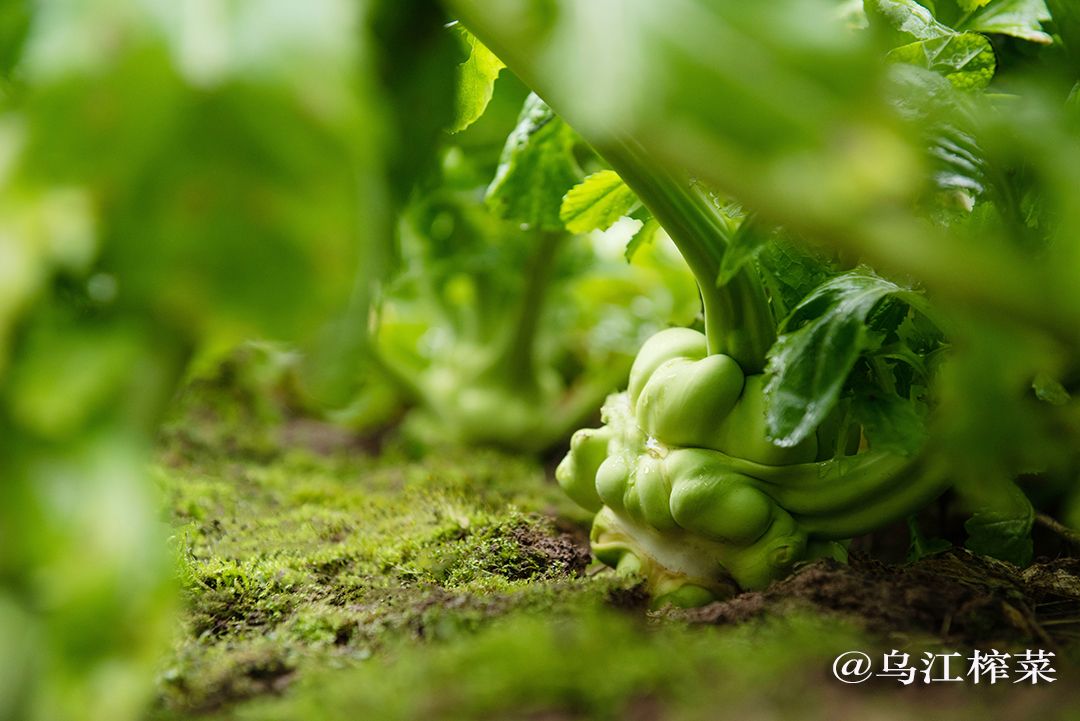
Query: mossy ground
(333, 580)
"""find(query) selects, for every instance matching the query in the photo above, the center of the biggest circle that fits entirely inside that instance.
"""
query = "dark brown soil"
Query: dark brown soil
(954, 596)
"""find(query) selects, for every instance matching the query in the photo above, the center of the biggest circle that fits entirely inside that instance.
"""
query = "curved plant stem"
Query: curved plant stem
(738, 320)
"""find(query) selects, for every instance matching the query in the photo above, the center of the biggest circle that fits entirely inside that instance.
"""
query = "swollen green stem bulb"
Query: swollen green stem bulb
(691, 495)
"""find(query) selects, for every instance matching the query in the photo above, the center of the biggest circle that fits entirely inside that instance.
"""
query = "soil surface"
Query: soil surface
(955, 596)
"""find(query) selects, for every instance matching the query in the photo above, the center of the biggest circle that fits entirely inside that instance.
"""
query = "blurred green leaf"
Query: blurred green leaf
(953, 156)
(536, 170)
(394, 145)
(227, 211)
(785, 71)
(921, 546)
(1002, 528)
(891, 423)
(417, 88)
(475, 82)
(15, 17)
(960, 166)
(597, 202)
(219, 228)
(1066, 17)
(41, 232)
(65, 375)
(17, 637)
(908, 16)
(1049, 389)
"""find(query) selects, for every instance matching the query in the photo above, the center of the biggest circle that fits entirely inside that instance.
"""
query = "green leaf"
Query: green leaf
(475, 82)
(1066, 17)
(957, 160)
(645, 234)
(1002, 528)
(791, 270)
(1018, 18)
(908, 16)
(921, 546)
(745, 244)
(826, 335)
(891, 423)
(536, 169)
(1049, 390)
(597, 202)
(953, 156)
(965, 59)
(971, 5)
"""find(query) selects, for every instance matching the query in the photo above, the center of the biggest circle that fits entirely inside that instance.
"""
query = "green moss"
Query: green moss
(304, 561)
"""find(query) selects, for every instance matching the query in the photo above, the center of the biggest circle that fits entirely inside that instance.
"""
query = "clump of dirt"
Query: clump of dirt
(522, 548)
(633, 598)
(956, 596)
(561, 552)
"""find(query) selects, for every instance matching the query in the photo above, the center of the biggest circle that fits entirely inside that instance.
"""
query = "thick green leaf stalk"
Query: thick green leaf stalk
(690, 493)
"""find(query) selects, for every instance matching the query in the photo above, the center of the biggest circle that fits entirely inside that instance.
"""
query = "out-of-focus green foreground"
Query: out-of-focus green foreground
(175, 177)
